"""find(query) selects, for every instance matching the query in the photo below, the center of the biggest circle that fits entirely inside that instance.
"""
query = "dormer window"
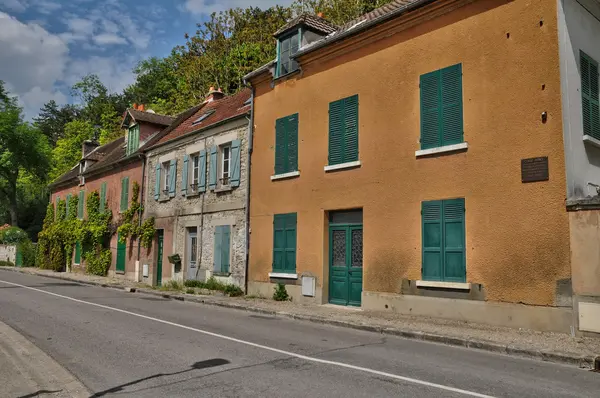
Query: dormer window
(133, 139)
(202, 117)
(287, 47)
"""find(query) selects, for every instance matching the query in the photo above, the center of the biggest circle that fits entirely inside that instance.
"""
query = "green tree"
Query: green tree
(23, 149)
(338, 12)
(52, 119)
(67, 152)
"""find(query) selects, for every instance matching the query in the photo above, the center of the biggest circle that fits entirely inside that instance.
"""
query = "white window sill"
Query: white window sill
(282, 275)
(283, 176)
(591, 140)
(445, 285)
(341, 166)
(441, 149)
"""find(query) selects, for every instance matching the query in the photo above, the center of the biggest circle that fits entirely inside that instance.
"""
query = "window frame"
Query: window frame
(289, 53)
(195, 169)
(593, 124)
(345, 135)
(221, 166)
(284, 220)
(165, 171)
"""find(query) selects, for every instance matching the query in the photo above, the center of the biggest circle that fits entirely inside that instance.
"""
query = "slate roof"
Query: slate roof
(379, 15)
(312, 21)
(219, 111)
(150, 117)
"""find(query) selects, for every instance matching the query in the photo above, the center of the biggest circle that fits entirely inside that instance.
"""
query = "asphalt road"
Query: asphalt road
(120, 343)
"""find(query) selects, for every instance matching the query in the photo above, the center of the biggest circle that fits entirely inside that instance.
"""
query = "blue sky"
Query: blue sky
(47, 45)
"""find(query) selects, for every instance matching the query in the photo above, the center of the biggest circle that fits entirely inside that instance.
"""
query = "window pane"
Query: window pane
(338, 252)
(357, 248)
(194, 249)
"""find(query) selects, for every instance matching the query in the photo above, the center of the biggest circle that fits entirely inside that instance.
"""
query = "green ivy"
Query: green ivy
(130, 225)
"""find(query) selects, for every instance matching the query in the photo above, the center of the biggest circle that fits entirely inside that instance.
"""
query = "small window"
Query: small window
(590, 96)
(288, 47)
(133, 139)
(195, 172)
(166, 171)
(225, 165)
(202, 117)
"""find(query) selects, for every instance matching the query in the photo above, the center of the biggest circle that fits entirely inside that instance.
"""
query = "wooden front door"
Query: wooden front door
(121, 254)
(345, 264)
(159, 256)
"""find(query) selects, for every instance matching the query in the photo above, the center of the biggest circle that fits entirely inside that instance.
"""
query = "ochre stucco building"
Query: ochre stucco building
(414, 160)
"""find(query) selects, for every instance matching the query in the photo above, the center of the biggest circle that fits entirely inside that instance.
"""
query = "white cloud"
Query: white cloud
(81, 26)
(207, 7)
(109, 38)
(47, 7)
(115, 72)
(31, 60)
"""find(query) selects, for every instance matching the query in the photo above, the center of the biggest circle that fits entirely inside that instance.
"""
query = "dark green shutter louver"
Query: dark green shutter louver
(102, 197)
(441, 107)
(124, 193)
(284, 242)
(292, 143)
(80, 204)
(280, 146)
(590, 102)
(443, 240)
(343, 130)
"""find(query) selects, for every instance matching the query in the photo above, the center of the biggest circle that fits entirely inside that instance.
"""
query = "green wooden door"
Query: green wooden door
(159, 257)
(345, 264)
(121, 254)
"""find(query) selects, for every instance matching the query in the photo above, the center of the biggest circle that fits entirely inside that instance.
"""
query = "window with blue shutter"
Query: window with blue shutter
(236, 163)
(286, 144)
(157, 181)
(202, 171)
(222, 249)
(284, 243)
(212, 169)
(172, 177)
(443, 240)
(133, 139)
(590, 101)
(184, 174)
(343, 130)
(441, 107)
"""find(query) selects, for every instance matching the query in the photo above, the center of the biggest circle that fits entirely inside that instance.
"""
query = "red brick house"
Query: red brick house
(112, 169)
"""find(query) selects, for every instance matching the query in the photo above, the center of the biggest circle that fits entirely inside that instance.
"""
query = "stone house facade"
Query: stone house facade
(414, 161)
(197, 179)
(111, 170)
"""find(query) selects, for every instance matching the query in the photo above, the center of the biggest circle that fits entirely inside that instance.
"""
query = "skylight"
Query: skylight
(202, 117)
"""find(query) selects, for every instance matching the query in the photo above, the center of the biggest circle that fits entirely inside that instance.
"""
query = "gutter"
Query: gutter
(248, 173)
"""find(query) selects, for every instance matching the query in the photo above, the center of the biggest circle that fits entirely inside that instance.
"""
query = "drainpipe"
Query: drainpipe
(250, 137)
(140, 213)
(201, 232)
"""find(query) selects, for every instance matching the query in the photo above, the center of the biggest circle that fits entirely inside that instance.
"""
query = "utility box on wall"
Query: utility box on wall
(308, 286)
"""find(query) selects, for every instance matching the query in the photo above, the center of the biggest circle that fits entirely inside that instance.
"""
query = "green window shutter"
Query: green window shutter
(172, 177)
(443, 240)
(290, 243)
(236, 164)
(454, 240)
(284, 243)
(80, 204)
(217, 253)
(202, 182)
(430, 109)
(137, 137)
(102, 197)
(431, 229)
(280, 146)
(452, 105)
(67, 205)
(225, 245)
(351, 129)
(157, 181)
(589, 96)
(336, 132)
(441, 107)
(292, 143)
(184, 174)
(124, 193)
(212, 170)
(56, 206)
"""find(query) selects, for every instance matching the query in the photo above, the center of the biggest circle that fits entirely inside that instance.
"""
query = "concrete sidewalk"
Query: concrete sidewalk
(26, 371)
(554, 347)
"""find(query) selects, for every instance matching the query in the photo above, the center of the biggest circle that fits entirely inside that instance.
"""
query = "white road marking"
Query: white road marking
(263, 347)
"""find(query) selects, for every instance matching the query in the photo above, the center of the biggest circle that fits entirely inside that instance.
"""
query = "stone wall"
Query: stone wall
(8, 253)
(219, 208)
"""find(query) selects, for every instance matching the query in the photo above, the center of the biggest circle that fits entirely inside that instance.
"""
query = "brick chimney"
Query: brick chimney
(214, 95)
(87, 147)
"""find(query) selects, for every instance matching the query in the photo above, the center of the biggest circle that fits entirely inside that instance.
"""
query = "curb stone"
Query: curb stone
(584, 362)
